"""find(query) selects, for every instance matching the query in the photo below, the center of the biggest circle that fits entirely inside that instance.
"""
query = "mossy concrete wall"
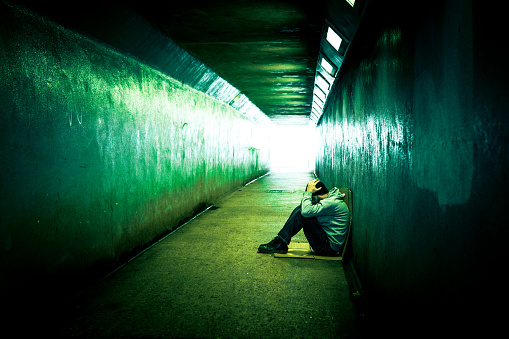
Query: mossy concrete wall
(417, 127)
(100, 154)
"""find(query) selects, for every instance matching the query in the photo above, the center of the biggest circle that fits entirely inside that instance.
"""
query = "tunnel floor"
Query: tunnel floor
(206, 280)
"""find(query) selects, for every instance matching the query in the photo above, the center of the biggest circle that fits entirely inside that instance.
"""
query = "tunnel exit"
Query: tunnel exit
(292, 148)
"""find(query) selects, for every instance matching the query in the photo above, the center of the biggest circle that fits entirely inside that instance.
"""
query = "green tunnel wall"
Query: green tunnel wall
(417, 127)
(100, 154)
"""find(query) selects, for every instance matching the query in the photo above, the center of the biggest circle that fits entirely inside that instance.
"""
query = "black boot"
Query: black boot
(276, 245)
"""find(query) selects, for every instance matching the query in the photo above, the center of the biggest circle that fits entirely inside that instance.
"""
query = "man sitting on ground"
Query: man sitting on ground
(324, 217)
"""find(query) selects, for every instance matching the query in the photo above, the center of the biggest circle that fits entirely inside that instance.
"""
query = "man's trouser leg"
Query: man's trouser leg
(317, 238)
(292, 226)
(313, 231)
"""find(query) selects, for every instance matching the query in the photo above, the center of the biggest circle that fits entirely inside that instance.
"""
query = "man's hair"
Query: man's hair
(322, 189)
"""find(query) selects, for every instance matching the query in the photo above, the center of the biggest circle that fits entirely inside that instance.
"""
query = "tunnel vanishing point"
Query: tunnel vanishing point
(120, 122)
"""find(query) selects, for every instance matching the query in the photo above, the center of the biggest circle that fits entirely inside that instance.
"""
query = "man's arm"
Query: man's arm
(308, 209)
(311, 187)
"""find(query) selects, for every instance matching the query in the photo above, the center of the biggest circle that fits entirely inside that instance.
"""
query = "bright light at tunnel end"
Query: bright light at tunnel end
(292, 148)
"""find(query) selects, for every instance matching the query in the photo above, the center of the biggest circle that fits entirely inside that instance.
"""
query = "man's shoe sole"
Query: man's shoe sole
(271, 252)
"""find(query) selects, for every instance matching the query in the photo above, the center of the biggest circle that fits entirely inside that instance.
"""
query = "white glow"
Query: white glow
(327, 66)
(351, 2)
(293, 148)
(316, 111)
(315, 116)
(334, 39)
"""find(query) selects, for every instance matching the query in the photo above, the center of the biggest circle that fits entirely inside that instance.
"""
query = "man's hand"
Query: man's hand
(311, 187)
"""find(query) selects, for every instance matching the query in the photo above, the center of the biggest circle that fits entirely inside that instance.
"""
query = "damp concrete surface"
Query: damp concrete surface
(206, 280)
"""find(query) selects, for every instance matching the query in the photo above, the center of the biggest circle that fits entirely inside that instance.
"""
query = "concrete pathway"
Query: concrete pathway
(206, 280)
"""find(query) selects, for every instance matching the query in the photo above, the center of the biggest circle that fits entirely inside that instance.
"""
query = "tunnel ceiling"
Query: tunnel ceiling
(267, 49)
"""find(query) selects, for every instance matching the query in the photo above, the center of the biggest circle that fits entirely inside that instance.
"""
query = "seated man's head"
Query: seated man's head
(322, 192)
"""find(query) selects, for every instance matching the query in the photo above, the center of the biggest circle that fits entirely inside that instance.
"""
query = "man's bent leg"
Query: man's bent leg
(280, 243)
(317, 238)
(292, 226)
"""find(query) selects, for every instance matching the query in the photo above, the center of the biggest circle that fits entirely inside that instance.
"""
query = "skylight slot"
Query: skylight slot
(320, 94)
(333, 38)
(315, 114)
(351, 2)
(327, 66)
(322, 83)
(318, 103)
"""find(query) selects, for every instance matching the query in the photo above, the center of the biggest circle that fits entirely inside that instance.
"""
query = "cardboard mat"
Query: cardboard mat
(302, 250)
